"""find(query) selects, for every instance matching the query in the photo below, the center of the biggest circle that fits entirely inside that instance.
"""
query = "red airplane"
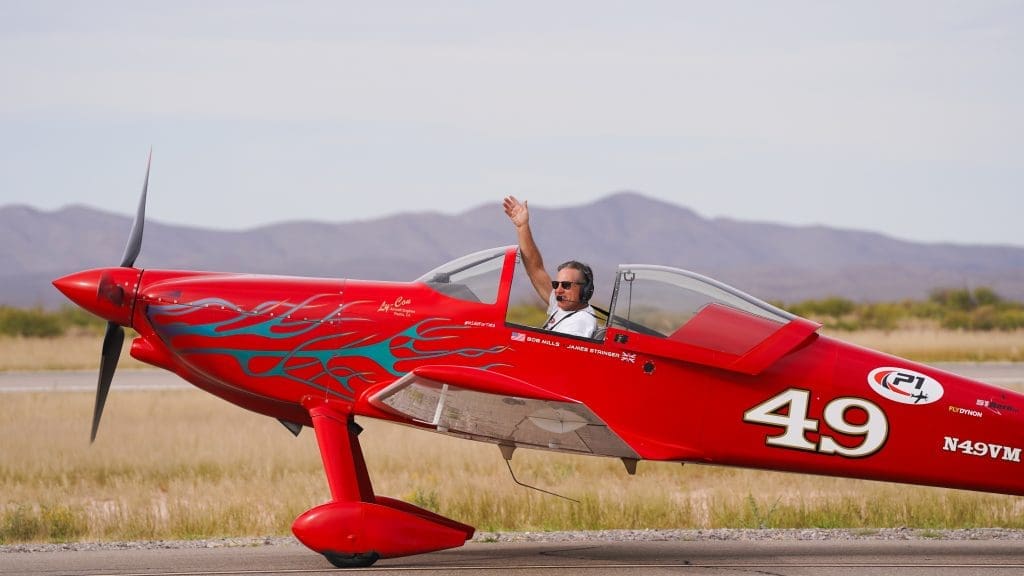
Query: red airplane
(682, 369)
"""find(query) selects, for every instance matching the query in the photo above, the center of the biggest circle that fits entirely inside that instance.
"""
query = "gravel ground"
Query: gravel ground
(577, 536)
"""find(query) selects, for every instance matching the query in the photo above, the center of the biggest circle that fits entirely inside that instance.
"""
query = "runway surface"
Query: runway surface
(783, 558)
(85, 381)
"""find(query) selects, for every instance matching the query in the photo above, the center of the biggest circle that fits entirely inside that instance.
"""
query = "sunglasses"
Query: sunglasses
(566, 284)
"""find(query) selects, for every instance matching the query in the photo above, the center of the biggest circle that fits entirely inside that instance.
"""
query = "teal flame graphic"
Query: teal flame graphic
(298, 361)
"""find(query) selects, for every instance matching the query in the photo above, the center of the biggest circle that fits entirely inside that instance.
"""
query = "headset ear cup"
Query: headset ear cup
(588, 287)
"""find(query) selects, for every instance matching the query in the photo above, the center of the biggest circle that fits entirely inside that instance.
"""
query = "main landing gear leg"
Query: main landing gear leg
(357, 527)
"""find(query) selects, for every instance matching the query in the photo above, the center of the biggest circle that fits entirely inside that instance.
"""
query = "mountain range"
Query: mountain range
(771, 261)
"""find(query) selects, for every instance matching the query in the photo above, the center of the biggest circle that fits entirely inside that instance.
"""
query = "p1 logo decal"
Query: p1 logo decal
(905, 386)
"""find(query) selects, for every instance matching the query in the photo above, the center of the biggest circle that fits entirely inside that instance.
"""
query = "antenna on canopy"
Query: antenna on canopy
(506, 453)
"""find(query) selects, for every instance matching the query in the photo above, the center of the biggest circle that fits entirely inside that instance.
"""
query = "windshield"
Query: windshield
(474, 278)
(688, 307)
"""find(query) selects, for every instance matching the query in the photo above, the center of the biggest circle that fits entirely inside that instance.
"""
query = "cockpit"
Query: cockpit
(657, 302)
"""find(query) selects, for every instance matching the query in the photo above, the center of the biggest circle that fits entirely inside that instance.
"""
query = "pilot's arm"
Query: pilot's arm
(519, 214)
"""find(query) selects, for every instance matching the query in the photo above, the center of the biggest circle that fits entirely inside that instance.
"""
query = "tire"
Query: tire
(352, 560)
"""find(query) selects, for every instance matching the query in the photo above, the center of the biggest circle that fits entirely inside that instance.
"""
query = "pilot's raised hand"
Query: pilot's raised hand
(517, 211)
(519, 214)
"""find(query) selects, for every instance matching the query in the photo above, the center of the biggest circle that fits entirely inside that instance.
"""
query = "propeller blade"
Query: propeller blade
(131, 250)
(112, 342)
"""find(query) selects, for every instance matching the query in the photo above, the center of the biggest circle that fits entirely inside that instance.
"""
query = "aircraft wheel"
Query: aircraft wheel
(352, 560)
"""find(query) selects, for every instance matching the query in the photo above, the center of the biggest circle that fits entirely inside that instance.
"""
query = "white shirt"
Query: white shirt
(581, 322)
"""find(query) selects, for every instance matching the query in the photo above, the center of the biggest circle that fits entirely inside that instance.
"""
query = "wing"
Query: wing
(490, 407)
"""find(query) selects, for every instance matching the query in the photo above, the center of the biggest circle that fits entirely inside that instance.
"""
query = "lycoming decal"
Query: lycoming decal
(971, 448)
(905, 386)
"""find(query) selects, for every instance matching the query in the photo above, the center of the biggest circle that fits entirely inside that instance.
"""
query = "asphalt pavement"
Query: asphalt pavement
(782, 558)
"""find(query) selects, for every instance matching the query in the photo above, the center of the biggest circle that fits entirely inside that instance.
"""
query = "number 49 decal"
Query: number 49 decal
(873, 429)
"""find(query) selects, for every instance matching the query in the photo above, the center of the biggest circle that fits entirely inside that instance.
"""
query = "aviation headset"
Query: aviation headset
(587, 289)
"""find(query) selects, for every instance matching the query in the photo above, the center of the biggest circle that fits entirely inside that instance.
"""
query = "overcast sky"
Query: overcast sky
(900, 117)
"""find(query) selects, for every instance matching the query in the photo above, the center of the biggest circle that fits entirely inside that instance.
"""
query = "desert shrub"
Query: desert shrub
(833, 307)
(29, 322)
(526, 315)
(980, 309)
(923, 309)
(956, 320)
(73, 316)
(959, 299)
(985, 296)
(29, 523)
(37, 322)
(1010, 319)
(21, 524)
(833, 312)
(881, 315)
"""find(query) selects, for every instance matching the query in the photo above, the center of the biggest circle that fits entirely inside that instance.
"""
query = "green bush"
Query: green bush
(30, 524)
(21, 524)
(882, 315)
(525, 315)
(32, 322)
(79, 318)
(924, 309)
(40, 323)
(64, 524)
(1010, 319)
(985, 296)
(833, 307)
(965, 299)
(953, 308)
(956, 320)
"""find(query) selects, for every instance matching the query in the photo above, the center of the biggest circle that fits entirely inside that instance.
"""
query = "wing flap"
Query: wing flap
(491, 407)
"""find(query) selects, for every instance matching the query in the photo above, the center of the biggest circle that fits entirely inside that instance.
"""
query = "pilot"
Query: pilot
(568, 295)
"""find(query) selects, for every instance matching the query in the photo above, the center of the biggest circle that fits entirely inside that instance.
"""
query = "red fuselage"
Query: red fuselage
(727, 388)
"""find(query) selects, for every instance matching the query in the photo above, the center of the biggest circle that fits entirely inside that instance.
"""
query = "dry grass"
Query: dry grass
(935, 345)
(180, 464)
(71, 352)
(183, 464)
